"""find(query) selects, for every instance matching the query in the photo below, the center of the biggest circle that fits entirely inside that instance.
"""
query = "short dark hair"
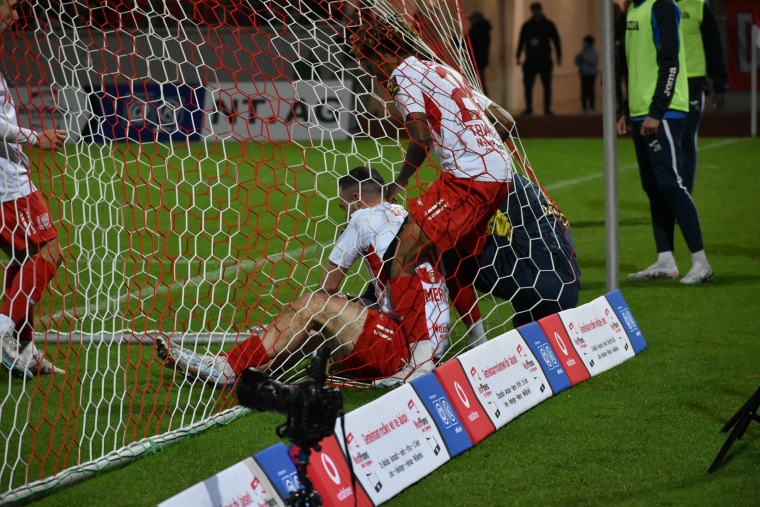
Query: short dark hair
(589, 39)
(536, 6)
(376, 35)
(365, 179)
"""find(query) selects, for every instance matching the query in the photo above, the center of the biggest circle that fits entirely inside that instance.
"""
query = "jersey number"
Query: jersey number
(461, 91)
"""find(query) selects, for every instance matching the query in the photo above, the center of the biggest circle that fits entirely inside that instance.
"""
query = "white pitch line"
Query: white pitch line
(210, 276)
(627, 167)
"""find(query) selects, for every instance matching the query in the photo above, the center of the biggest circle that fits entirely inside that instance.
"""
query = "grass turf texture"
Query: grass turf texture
(643, 433)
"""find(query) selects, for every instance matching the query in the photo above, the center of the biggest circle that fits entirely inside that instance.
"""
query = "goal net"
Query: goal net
(195, 199)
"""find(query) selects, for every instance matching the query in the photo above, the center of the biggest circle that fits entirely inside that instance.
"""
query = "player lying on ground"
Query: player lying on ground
(466, 132)
(394, 343)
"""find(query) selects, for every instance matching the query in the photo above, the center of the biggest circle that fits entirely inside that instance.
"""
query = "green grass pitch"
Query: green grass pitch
(643, 433)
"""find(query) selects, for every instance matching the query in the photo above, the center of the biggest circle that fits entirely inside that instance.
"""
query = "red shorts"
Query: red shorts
(456, 211)
(26, 222)
(379, 351)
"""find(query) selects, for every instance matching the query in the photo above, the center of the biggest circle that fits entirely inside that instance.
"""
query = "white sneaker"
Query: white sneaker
(405, 375)
(10, 354)
(26, 362)
(206, 367)
(699, 273)
(36, 364)
(655, 272)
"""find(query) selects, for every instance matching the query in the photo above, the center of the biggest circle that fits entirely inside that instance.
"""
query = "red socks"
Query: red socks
(250, 353)
(23, 288)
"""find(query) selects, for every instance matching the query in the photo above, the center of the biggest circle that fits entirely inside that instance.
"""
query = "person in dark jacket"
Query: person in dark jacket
(536, 37)
(480, 39)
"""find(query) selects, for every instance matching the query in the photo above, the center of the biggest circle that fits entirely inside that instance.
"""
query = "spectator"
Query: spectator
(27, 233)
(480, 39)
(587, 62)
(536, 37)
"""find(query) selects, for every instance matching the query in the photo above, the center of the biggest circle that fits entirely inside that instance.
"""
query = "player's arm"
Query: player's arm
(716, 62)
(416, 152)
(15, 134)
(332, 278)
(49, 139)
(665, 21)
(501, 119)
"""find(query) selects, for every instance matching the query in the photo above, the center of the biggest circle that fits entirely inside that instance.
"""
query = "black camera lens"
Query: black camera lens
(257, 391)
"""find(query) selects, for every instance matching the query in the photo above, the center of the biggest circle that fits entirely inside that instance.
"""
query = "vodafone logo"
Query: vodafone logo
(560, 342)
(330, 468)
(462, 395)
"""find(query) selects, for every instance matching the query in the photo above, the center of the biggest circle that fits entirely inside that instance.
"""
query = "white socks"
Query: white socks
(699, 258)
(476, 335)
(666, 259)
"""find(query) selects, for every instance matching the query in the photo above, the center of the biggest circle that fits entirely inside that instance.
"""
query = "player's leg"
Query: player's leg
(690, 133)
(667, 168)
(461, 270)
(663, 222)
(31, 240)
(413, 243)
(338, 321)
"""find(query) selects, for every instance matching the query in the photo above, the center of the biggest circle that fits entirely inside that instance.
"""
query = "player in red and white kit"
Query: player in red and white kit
(393, 343)
(466, 132)
(27, 234)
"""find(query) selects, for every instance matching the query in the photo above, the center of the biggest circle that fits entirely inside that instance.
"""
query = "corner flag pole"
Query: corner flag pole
(609, 119)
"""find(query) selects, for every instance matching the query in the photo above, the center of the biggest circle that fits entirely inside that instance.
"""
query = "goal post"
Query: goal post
(195, 199)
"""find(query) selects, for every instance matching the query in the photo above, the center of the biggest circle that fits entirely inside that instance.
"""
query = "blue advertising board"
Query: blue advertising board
(279, 468)
(620, 307)
(431, 393)
(536, 340)
(147, 112)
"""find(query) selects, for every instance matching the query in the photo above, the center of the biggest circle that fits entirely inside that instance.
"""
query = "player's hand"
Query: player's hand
(650, 126)
(392, 190)
(623, 126)
(51, 139)
(718, 100)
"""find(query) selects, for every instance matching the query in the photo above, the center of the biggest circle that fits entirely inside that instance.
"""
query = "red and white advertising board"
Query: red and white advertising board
(505, 377)
(243, 484)
(593, 336)
(329, 473)
(392, 443)
(557, 336)
(454, 381)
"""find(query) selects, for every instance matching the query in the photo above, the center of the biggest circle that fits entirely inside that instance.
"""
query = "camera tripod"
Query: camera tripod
(739, 422)
(305, 495)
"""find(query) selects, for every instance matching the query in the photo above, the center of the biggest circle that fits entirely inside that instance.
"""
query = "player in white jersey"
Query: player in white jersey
(27, 234)
(394, 343)
(466, 132)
